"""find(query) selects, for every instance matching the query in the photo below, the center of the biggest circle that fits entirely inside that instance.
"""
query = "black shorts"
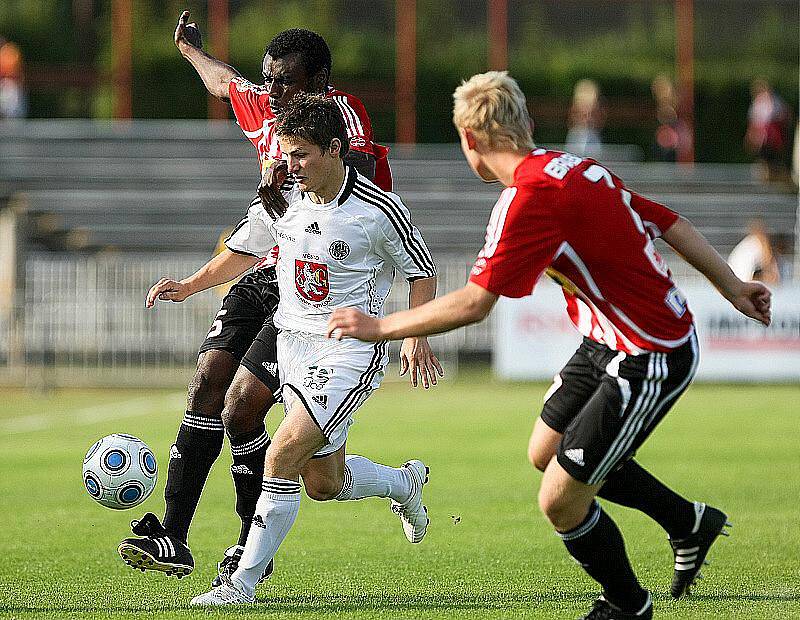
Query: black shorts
(244, 328)
(606, 404)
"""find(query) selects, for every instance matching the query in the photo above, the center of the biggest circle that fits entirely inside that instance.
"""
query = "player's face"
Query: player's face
(311, 166)
(471, 151)
(285, 77)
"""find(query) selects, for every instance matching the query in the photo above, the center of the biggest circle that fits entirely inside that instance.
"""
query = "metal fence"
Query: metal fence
(82, 321)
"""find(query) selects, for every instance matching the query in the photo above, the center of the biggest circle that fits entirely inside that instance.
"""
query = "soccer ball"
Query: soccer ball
(119, 471)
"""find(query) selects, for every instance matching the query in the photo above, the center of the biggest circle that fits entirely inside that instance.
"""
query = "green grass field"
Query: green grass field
(488, 554)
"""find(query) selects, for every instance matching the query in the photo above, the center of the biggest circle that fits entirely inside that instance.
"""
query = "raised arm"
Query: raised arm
(224, 267)
(752, 299)
(216, 75)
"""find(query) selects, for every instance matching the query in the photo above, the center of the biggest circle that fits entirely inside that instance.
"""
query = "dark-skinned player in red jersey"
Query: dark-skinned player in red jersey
(574, 220)
(237, 372)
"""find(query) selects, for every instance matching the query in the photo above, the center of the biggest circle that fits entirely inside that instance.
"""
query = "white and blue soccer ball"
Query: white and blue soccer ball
(119, 471)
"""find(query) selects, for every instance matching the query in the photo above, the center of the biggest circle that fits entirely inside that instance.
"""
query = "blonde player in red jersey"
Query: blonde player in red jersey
(574, 220)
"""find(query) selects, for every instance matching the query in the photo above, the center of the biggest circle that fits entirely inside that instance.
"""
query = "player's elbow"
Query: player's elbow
(478, 304)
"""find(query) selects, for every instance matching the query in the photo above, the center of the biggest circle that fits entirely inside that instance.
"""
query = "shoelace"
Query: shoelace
(148, 525)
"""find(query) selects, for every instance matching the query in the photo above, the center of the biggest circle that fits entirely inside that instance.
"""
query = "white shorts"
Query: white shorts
(331, 378)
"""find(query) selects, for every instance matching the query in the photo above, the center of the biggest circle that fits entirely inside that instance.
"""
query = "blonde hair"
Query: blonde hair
(493, 107)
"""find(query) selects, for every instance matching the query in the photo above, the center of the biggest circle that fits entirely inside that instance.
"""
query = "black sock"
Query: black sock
(197, 446)
(598, 547)
(633, 486)
(248, 450)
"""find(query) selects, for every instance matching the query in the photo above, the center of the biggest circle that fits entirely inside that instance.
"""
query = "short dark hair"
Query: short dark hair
(312, 48)
(314, 118)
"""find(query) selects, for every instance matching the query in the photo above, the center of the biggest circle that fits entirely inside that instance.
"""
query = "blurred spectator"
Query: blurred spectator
(753, 258)
(586, 118)
(13, 102)
(768, 129)
(667, 136)
(784, 256)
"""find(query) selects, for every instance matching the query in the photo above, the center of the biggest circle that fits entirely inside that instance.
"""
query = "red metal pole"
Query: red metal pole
(497, 23)
(406, 71)
(684, 54)
(219, 37)
(122, 42)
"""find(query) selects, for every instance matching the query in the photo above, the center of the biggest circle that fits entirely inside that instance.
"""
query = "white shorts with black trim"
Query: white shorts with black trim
(331, 378)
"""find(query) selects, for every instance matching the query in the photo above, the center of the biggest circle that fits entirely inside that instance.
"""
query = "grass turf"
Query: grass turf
(488, 553)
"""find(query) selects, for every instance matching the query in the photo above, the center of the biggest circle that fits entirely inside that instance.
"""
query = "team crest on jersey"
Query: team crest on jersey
(311, 280)
(339, 250)
(358, 141)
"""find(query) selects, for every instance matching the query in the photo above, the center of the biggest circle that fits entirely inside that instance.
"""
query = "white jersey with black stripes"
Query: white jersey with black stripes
(342, 253)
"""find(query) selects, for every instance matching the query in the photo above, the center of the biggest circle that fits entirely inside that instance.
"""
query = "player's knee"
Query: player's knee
(322, 489)
(207, 388)
(538, 457)
(562, 512)
(238, 415)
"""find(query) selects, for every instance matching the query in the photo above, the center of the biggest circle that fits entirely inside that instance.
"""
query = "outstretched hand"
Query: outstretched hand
(167, 290)
(186, 33)
(269, 189)
(755, 301)
(354, 324)
(416, 355)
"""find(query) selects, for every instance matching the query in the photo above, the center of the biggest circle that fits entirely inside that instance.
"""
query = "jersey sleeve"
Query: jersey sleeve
(248, 101)
(521, 239)
(402, 242)
(254, 234)
(656, 217)
(356, 120)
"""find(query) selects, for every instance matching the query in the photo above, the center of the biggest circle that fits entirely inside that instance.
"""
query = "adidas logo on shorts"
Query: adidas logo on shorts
(313, 228)
(321, 400)
(575, 455)
(271, 368)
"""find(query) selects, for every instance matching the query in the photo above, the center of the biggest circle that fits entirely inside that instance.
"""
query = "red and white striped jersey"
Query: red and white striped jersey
(250, 104)
(575, 220)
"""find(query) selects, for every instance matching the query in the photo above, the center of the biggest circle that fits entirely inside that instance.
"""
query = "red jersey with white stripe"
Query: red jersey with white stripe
(575, 220)
(250, 103)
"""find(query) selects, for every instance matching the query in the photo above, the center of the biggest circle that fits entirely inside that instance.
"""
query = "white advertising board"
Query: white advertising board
(534, 336)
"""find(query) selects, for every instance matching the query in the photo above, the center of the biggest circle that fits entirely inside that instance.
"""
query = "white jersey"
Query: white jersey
(340, 254)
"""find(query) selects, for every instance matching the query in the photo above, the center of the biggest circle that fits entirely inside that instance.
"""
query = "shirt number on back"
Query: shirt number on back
(594, 173)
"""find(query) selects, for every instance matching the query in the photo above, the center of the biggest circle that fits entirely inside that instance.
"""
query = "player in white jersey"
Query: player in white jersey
(341, 240)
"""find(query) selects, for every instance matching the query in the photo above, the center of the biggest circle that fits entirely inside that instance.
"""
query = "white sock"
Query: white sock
(276, 510)
(363, 478)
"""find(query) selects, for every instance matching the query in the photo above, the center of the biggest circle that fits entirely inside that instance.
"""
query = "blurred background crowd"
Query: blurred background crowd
(116, 166)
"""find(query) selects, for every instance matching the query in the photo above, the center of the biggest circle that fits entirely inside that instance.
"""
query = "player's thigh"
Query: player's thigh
(239, 320)
(572, 387)
(624, 411)
(323, 476)
(330, 378)
(295, 441)
(261, 358)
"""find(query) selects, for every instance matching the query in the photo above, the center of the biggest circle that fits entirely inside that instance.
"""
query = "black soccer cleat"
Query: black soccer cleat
(156, 549)
(603, 610)
(690, 552)
(230, 563)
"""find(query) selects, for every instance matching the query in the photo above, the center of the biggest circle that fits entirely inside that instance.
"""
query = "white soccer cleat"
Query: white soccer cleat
(413, 515)
(228, 593)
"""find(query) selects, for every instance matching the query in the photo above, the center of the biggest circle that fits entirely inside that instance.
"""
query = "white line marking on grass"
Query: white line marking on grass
(86, 416)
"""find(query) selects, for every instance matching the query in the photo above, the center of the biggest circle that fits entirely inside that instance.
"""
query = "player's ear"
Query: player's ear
(320, 80)
(335, 149)
(470, 138)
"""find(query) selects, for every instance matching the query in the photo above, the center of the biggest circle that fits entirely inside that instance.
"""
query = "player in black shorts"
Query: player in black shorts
(237, 372)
